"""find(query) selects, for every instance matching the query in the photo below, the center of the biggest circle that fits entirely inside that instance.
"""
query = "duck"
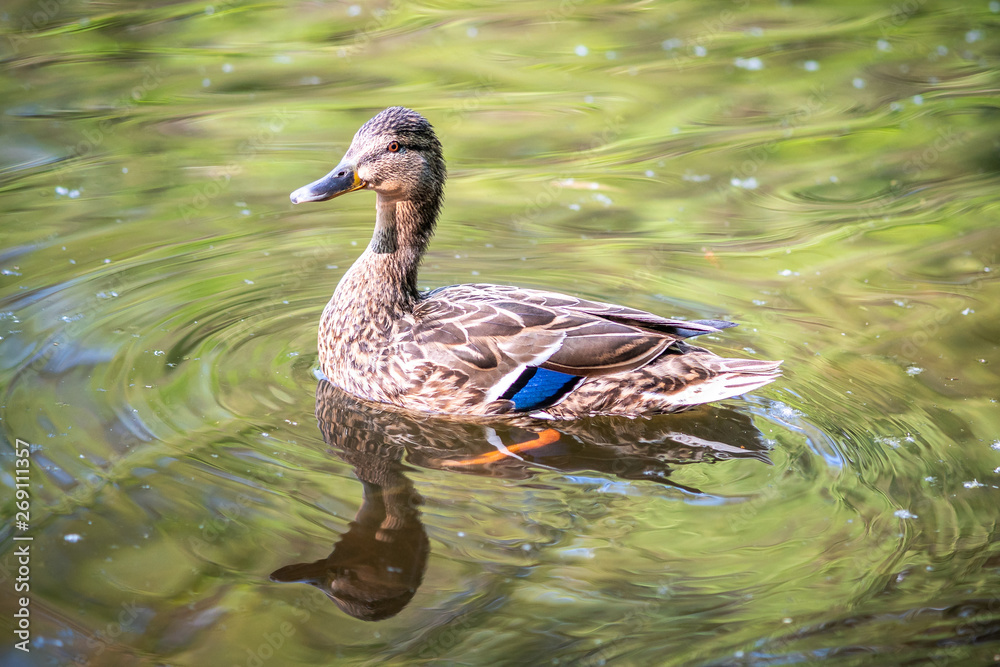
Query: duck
(486, 350)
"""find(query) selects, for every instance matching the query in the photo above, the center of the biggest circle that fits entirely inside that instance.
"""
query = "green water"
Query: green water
(825, 174)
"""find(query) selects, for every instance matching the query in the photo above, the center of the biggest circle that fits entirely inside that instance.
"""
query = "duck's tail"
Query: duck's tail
(672, 383)
(726, 378)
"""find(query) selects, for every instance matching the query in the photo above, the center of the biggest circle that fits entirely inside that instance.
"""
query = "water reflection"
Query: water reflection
(377, 565)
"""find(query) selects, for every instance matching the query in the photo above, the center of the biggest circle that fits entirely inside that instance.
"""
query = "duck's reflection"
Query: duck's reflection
(377, 565)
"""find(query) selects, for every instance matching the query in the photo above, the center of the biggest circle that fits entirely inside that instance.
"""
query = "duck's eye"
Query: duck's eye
(394, 147)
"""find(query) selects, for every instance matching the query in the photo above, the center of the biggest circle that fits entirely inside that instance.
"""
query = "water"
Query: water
(824, 175)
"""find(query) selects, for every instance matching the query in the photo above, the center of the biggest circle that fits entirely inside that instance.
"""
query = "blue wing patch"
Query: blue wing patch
(538, 388)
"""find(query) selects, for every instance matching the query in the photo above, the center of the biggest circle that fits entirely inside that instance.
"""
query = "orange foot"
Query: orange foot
(546, 437)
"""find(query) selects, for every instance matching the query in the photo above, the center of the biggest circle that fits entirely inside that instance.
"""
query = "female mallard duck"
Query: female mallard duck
(490, 349)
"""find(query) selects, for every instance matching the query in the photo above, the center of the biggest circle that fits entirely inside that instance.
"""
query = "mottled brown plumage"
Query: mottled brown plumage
(490, 349)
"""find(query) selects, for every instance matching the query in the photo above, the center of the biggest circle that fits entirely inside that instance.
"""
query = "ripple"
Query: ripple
(788, 170)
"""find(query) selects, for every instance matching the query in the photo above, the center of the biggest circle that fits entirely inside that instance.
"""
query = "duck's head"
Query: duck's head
(396, 154)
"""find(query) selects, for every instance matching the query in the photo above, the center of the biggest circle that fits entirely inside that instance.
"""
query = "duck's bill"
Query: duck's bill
(343, 179)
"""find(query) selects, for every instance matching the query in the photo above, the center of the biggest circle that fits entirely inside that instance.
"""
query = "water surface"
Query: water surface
(823, 174)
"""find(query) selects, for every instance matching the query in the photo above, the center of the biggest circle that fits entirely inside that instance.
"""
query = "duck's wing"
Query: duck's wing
(633, 317)
(534, 347)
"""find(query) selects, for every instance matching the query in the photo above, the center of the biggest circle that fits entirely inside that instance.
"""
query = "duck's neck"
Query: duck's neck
(384, 277)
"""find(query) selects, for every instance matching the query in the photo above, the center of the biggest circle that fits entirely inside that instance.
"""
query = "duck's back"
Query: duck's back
(493, 349)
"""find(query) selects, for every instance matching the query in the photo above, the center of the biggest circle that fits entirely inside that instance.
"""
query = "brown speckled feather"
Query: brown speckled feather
(490, 349)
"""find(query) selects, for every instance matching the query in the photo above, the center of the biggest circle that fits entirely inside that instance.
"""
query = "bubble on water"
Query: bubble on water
(227, 68)
(745, 183)
(754, 64)
(905, 514)
(700, 51)
(810, 66)
(914, 370)
(918, 100)
(72, 538)
(785, 412)
(672, 43)
(974, 484)
(354, 10)
(973, 36)
(883, 45)
(858, 82)
(581, 50)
